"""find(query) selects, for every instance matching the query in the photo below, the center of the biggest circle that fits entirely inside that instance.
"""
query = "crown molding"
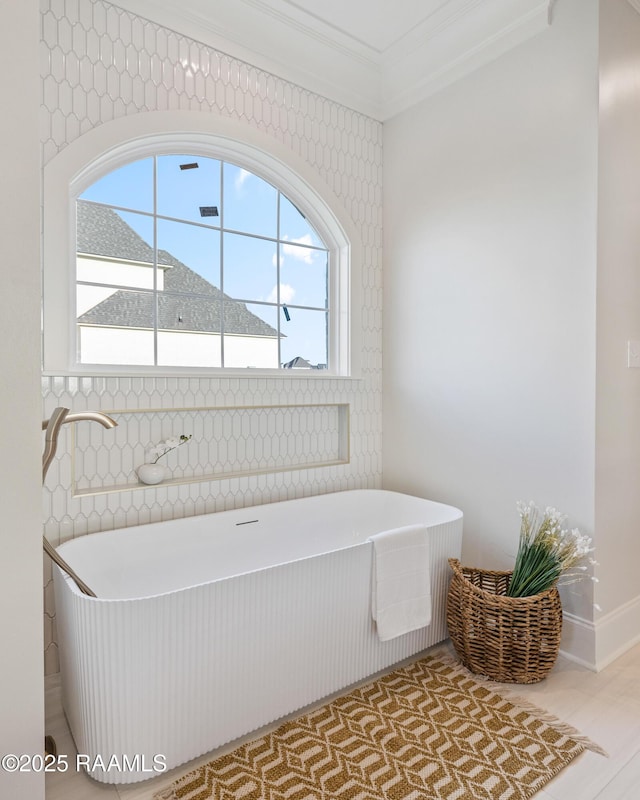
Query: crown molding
(433, 27)
(283, 39)
(443, 57)
(288, 13)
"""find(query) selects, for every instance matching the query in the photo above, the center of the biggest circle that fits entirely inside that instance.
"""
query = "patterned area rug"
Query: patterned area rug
(428, 730)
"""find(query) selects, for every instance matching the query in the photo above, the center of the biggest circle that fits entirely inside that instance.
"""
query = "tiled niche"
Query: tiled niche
(100, 63)
(224, 442)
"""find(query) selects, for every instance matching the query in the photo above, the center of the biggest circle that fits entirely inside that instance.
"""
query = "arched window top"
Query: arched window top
(195, 252)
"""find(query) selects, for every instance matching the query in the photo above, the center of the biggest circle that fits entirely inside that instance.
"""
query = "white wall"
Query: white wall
(618, 320)
(21, 687)
(489, 291)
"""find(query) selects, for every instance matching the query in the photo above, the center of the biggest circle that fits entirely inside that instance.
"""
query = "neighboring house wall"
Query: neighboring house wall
(490, 296)
(110, 270)
(87, 82)
(103, 345)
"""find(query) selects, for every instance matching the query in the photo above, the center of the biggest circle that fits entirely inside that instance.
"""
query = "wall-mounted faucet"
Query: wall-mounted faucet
(52, 427)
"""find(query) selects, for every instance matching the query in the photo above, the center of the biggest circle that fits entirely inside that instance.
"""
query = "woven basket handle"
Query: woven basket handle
(454, 563)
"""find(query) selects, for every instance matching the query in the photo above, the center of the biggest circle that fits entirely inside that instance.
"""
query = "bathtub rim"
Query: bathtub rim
(193, 586)
(455, 515)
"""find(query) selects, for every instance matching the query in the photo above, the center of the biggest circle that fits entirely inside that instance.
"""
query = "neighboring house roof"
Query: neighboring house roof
(298, 363)
(103, 232)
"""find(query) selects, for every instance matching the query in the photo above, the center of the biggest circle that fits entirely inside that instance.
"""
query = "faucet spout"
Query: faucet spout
(81, 416)
(91, 416)
(52, 427)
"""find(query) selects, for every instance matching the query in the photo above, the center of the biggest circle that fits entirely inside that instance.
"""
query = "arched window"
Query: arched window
(189, 261)
(191, 254)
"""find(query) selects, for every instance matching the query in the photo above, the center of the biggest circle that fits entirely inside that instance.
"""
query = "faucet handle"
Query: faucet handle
(52, 429)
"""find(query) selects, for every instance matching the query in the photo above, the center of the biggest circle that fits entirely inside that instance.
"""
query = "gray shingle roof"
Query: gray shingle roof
(102, 232)
(297, 363)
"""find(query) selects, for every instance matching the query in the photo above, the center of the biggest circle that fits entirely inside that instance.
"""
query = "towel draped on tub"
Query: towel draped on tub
(401, 584)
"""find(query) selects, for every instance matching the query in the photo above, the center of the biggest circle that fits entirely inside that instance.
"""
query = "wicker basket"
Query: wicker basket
(507, 639)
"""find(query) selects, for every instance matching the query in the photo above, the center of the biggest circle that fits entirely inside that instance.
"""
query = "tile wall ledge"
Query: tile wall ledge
(205, 478)
(242, 375)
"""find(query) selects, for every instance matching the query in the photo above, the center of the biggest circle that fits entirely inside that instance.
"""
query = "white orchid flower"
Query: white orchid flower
(155, 453)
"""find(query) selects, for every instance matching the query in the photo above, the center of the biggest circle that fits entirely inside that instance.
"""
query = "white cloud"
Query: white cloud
(241, 177)
(300, 253)
(287, 293)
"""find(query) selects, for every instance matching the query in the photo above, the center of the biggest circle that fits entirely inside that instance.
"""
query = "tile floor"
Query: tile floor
(604, 706)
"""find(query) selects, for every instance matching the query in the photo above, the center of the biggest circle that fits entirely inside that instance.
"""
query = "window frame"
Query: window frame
(70, 173)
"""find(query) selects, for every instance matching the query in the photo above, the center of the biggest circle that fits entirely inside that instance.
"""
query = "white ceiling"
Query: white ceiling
(377, 56)
(378, 24)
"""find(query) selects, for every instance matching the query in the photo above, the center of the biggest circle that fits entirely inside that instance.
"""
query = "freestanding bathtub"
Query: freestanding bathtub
(207, 628)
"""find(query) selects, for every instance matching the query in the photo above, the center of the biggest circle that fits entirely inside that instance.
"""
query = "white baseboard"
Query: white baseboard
(597, 644)
(578, 640)
(617, 632)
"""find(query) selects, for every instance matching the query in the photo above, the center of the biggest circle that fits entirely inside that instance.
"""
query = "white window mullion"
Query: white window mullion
(155, 260)
(279, 308)
(221, 213)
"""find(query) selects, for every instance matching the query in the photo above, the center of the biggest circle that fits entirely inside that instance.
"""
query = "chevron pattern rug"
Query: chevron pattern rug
(428, 730)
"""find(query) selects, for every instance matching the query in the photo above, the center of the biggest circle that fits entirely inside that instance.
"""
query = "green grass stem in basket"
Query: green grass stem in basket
(547, 553)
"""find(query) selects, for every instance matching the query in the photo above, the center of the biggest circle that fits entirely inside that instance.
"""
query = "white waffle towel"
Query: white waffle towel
(401, 585)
